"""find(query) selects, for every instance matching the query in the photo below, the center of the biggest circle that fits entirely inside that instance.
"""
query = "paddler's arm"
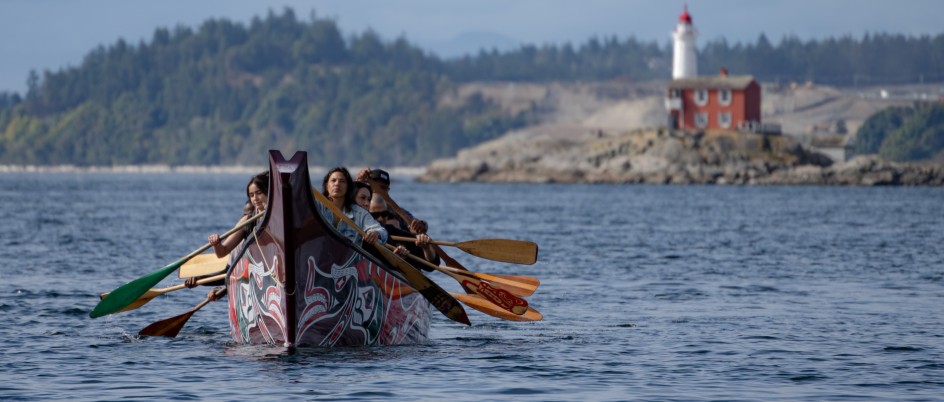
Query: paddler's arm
(222, 247)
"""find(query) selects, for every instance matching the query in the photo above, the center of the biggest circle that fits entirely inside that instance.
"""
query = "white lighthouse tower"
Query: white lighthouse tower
(683, 55)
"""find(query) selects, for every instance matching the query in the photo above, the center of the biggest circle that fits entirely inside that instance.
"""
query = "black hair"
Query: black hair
(359, 185)
(349, 194)
(261, 181)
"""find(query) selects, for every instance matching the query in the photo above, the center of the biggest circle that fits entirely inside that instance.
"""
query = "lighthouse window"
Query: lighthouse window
(724, 97)
(701, 119)
(701, 97)
(724, 119)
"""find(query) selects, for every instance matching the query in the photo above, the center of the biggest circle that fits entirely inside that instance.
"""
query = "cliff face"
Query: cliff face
(575, 155)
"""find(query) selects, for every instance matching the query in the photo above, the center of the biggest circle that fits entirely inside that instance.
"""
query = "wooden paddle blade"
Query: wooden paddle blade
(503, 250)
(128, 293)
(516, 288)
(202, 265)
(491, 309)
(170, 327)
(500, 297)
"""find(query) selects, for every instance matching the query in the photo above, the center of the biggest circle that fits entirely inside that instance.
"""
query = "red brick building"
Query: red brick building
(720, 102)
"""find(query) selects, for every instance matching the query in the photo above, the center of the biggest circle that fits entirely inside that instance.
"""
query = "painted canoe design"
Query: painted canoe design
(296, 282)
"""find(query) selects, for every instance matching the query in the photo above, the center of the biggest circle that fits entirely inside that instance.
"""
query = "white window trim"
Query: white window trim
(701, 119)
(721, 99)
(701, 97)
(724, 119)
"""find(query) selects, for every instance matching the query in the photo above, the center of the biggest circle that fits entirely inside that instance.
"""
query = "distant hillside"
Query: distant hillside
(223, 93)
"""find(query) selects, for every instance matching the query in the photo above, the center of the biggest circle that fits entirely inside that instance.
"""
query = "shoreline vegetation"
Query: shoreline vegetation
(405, 172)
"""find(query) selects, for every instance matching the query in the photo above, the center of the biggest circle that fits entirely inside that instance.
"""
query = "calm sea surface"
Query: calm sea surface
(648, 293)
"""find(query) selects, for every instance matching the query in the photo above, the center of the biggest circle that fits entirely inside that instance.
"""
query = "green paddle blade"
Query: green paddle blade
(126, 294)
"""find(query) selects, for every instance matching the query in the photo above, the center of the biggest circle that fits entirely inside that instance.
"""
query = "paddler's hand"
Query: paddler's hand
(191, 282)
(214, 239)
(363, 175)
(212, 295)
(372, 236)
(401, 251)
(418, 226)
(422, 240)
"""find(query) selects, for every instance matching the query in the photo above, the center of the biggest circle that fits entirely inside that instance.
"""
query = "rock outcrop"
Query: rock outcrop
(576, 155)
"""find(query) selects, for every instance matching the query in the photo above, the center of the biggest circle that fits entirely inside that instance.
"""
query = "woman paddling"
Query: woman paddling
(257, 194)
(257, 197)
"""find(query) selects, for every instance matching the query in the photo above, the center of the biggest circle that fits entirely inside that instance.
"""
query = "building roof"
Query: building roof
(713, 82)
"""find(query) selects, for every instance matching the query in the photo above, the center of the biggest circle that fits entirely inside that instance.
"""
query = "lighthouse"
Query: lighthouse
(683, 55)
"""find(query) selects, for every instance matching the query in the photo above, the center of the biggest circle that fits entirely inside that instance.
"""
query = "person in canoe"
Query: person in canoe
(362, 195)
(257, 194)
(257, 197)
(339, 188)
(420, 247)
(382, 178)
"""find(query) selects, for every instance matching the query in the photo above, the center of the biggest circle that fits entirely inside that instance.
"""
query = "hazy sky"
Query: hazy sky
(52, 34)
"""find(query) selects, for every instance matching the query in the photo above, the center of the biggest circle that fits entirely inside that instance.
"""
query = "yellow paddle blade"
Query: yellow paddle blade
(202, 265)
(504, 250)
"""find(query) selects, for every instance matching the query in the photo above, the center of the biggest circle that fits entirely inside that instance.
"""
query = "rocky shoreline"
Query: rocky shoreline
(668, 157)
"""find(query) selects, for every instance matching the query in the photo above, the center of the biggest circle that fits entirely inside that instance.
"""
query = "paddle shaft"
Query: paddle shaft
(223, 236)
(152, 293)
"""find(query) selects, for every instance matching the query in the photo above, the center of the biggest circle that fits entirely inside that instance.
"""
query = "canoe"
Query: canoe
(297, 282)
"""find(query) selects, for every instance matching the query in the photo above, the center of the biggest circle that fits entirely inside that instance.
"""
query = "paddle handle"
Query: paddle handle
(412, 239)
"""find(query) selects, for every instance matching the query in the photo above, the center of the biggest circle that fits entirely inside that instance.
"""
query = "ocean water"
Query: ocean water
(648, 293)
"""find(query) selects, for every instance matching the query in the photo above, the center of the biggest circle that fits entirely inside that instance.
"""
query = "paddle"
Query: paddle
(500, 297)
(152, 293)
(519, 285)
(202, 265)
(438, 297)
(170, 327)
(491, 309)
(502, 250)
(126, 294)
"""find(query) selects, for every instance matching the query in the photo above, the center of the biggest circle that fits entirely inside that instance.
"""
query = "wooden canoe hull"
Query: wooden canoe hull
(296, 282)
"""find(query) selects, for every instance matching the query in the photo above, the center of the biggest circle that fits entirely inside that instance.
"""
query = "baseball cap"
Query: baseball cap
(380, 175)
